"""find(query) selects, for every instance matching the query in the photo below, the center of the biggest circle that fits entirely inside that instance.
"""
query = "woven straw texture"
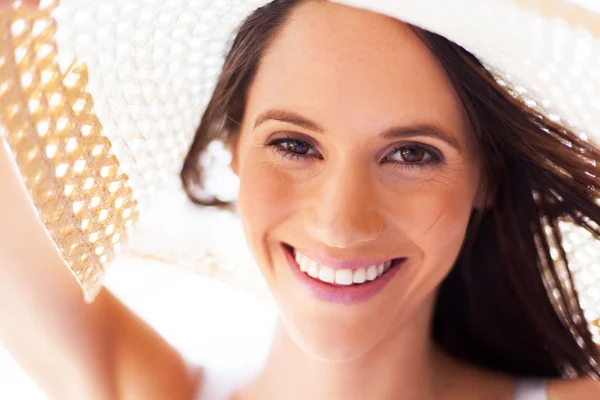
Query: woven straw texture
(73, 177)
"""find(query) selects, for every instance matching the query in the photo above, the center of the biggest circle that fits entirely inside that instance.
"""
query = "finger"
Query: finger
(29, 4)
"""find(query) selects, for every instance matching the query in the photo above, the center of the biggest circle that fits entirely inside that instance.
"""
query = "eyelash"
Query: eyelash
(275, 145)
(435, 158)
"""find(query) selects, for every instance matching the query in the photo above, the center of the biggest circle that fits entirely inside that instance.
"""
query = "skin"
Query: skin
(345, 204)
(31, 4)
(333, 65)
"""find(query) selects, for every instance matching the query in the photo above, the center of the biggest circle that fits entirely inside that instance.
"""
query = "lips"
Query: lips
(334, 283)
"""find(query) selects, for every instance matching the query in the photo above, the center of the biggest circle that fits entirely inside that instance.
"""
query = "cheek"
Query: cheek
(434, 220)
(265, 199)
(444, 232)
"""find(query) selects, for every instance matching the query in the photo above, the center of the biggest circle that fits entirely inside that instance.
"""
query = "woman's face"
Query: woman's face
(354, 150)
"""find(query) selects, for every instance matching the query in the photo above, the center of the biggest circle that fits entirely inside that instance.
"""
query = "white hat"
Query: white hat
(100, 101)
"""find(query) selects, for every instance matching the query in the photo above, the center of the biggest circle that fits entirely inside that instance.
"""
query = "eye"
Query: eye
(293, 148)
(413, 156)
(296, 147)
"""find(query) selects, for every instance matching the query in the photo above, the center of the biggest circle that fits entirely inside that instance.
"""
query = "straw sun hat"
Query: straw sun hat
(99, 102)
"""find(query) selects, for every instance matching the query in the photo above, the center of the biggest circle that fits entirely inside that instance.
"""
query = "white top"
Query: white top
(530, 389)
(219, 384)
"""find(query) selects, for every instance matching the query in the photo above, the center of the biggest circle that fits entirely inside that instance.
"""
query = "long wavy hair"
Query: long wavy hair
(494, 307)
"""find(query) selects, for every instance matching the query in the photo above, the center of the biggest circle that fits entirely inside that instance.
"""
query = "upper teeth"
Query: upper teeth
(340, 276)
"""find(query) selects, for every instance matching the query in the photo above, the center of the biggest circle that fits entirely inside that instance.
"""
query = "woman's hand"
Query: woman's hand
(31, 4)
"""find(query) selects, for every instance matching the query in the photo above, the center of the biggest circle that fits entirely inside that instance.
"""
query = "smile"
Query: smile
(341, 281)
(340, 276)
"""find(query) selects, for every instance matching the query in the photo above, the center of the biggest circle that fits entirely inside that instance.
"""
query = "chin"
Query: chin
(335, 341)
(330, 331)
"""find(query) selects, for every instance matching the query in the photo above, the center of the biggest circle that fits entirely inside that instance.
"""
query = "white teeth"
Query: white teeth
(311, 265)
(300, 260)
(372, 273)
(303, 265)
(339, 276)
(343, 277)
(360, 275)
(326, 274)
(313, 271)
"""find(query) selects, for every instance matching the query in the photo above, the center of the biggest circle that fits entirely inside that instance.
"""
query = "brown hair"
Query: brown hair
(493, 308)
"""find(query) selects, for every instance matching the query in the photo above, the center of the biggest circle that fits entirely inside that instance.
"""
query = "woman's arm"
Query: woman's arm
(44, 323)
(73, 350)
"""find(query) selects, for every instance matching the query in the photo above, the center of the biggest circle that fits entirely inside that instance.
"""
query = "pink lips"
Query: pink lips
(336, 263)
(348, 295)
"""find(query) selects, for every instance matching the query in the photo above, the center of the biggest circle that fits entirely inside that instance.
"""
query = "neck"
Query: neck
(400, 366)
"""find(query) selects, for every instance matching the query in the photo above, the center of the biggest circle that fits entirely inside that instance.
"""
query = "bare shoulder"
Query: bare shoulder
(578, 389)
(459, 380)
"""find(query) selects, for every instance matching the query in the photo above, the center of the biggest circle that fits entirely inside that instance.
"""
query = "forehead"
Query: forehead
(334, 63)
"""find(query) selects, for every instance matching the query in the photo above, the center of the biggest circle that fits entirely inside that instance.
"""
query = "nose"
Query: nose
(343, 210)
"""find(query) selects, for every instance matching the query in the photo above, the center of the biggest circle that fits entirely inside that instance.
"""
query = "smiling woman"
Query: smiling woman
(399, 201)
(404, 201)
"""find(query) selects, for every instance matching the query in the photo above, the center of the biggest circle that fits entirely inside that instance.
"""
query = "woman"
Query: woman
(392, 194)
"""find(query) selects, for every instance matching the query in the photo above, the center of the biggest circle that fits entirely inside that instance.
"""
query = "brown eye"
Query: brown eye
(294, 149)
(412, 154)
(297, 147)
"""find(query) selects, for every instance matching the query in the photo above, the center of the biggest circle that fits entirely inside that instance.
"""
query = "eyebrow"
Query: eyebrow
(287, 116)
(419, 129)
